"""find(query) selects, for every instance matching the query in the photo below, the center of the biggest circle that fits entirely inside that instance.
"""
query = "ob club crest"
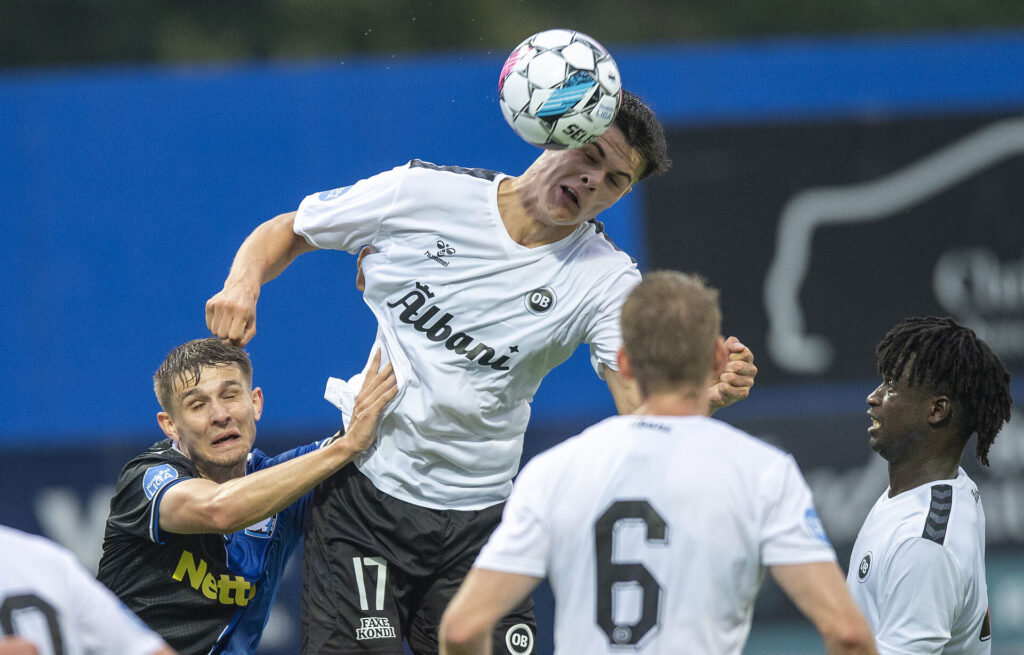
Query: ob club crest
(864, 568)
(540, 300)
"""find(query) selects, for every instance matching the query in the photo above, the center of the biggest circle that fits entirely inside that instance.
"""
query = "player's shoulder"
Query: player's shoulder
(955, 518)
(608, 435)
(428, 170)
(161, 452)
(598, 243)
(935, 512)
(16, 544)
(156, 466)
(745, 445)
(940, 525)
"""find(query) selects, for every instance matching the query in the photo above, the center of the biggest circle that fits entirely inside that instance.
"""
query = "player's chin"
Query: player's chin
(231, 454)
(571, 216)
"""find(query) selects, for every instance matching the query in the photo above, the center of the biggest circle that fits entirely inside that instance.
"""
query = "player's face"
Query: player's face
(214, 421)
(899, 417)
(580, 183)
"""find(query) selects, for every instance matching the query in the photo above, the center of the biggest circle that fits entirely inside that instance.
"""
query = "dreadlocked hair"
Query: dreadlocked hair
(951, 360)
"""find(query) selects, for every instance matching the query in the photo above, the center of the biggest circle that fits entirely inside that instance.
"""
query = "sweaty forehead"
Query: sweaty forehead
(207, 376)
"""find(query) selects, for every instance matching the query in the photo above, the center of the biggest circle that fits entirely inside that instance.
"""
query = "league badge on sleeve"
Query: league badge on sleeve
(814, 525)
(156, 478)
(333, 193)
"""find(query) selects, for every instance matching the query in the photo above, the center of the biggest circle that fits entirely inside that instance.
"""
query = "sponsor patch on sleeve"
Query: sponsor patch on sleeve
(814, 525)
(333, 193)
(156, 478)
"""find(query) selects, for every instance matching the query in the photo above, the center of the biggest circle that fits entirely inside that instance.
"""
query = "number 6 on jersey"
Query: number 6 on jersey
(617, 577)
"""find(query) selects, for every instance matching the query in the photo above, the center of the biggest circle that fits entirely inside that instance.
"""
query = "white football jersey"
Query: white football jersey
(655, 532)
(48, 598)
(917, 570)
(471, 321)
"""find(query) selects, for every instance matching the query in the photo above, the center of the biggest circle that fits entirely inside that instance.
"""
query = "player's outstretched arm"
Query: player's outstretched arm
(819, 591)
(735, 381)
(484, 597)
(203, 506)
(231, 313)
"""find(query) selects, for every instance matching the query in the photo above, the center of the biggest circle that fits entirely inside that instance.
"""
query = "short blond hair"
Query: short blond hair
(185, 363)
(670, 327)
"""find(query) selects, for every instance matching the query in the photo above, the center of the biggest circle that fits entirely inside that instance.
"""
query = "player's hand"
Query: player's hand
(231, 314)
(735, 381)
(379, 388)
(17, 646)
(360, 278)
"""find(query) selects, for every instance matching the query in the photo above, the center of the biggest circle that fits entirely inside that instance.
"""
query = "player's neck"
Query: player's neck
(675, 403)
(220, 474)
(908, 474)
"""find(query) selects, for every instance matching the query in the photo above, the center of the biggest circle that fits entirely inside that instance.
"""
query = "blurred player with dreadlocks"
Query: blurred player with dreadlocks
(918, 567)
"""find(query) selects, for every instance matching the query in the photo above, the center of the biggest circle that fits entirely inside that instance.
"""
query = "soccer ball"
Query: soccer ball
(559, 89)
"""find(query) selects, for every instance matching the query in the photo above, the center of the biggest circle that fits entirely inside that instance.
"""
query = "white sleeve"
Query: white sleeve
(605, 335)
(792, 533)
(917, 599)
(521, 543)
(348, 217)
(102, 623)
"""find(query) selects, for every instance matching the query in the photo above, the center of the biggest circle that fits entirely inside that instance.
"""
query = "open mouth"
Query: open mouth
(571, 194)
(874, 423)
(227, 438)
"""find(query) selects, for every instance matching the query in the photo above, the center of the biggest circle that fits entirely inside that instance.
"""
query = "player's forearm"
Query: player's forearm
(266, 253)
(241, 502)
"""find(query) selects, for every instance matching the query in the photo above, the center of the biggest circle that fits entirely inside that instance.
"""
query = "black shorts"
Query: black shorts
(377, 570)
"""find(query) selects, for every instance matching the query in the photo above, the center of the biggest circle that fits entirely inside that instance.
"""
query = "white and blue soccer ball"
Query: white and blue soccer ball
(559, 89)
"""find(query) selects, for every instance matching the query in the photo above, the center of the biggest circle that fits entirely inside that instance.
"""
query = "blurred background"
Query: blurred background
(838, 166)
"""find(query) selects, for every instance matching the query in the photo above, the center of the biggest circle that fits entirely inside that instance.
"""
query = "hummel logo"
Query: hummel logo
(444, 249)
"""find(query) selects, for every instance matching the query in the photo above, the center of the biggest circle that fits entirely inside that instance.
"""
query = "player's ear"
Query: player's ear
(167, 425)
(257, 403)
(939, 410)
(625, 369)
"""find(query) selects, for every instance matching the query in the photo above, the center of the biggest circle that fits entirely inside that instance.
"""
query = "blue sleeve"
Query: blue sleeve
(260, 461)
